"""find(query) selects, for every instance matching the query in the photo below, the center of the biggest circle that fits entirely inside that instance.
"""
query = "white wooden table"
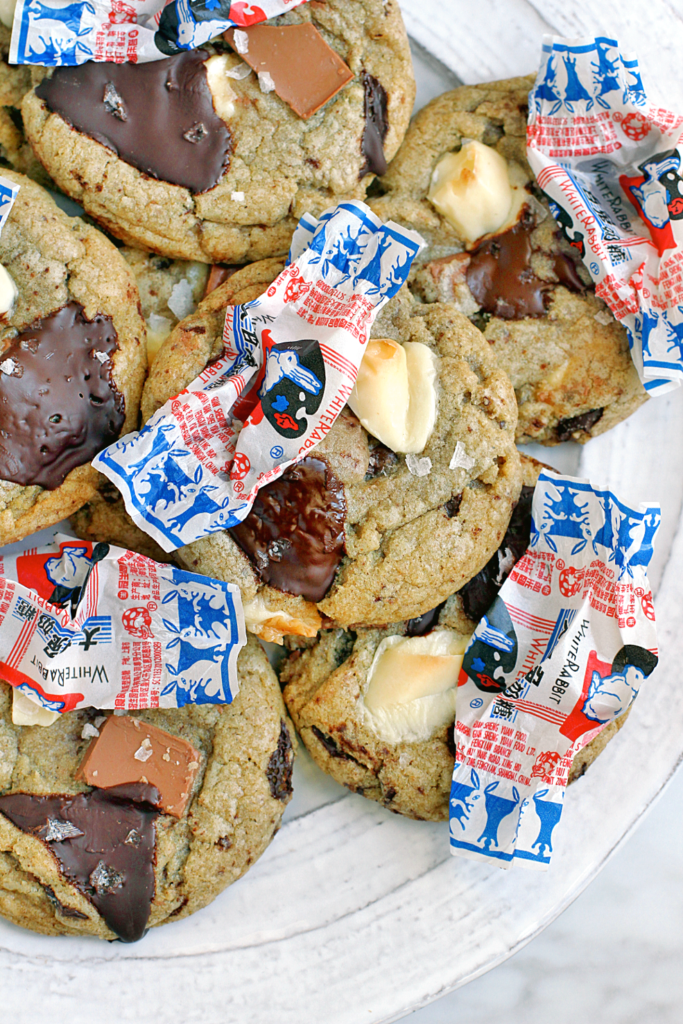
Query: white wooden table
(354, 914)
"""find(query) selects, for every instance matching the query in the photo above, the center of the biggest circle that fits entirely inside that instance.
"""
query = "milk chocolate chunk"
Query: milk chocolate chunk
(130, 751)
(59, 405)
(294, 534)
(479, 594)
(158, 116)
(305, 71)
(500, 277)
(376, 127)
(115, 876)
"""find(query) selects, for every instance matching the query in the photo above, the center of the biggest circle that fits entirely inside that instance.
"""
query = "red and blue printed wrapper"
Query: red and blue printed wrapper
(610, 163)
(560, 654)
(52, 34)
(289, 364)
(85, 625)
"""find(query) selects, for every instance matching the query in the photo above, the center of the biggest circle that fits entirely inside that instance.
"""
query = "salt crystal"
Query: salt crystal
(181, 301)
(102, 356)
(603, 316)
(144, 751)
(460, 459)
(133, 838)
(104, 879)
(418, 467)
(506, 561)
(8, 367)
(240, 71)
(237, 197)
(89, 732)
(240, 41)
(100, 720)
(265, 81)
(57, 831)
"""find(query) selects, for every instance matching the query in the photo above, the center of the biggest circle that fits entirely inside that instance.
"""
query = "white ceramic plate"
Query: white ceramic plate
(357, 915)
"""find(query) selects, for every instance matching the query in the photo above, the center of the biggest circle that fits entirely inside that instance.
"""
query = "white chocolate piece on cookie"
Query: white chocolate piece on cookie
(472, 190)
(27, 712)
(412, 683)
(223, 94)
(273, 625)
(394, 396)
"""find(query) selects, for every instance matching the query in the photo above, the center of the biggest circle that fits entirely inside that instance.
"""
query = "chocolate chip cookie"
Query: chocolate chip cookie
(355, 532)
(375, 708)
(462, 180)
(15, 82)
(171, 823)
(72, 361)
(198, 157)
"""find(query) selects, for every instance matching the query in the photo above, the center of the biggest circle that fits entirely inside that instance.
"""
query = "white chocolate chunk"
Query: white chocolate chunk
(28, 712)
(158, 330)
(394, 396)
(412, 683)
(8, 292)
(7, 12)
(273, 624)
(472, 190)
(222, 93)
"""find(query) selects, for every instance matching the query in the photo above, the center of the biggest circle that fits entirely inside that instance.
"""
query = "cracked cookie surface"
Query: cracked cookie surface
(280, 165)
(241, 791)
(569, 361)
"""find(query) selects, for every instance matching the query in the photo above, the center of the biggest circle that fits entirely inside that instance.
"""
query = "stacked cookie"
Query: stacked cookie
(374, 556)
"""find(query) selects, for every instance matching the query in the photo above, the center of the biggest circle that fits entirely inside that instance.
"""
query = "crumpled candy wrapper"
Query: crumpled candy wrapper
(289, 364)
(8, 193)
(560, 654)
(99, 626)
(73, 33)
(610, 162)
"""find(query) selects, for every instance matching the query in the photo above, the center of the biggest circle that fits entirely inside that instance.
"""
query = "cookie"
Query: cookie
(15, 82)
(217, 167)
(497, 252)
(170, 862)
(169, 291)
(355, 532)
(104, 518)
(76, 311)
(378, 717)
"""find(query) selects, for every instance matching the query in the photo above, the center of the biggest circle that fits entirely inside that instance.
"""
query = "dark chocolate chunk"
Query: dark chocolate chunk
(294, 534)
(115, 875)
(423, 623)
(500, 277)
(157, 116)
(452, 506)
(566, 428)
(382, 461)
(376, 127)
(61, 908)
(330, 746)
(280, 765)
(59, 405)
(479, 594)
(566, 271)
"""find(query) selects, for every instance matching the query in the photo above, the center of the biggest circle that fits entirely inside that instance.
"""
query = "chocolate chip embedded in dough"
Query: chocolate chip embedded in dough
(305, 71)
(376, 127)
(294, 534)
(280, 765)
(59, 405)
(115, 876)
(565, 429)
(129, 749)
(158, 116)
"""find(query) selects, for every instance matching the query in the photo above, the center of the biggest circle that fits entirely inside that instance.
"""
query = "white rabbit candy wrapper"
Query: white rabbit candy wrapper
(610, 162)
(53, 34)
(289, 363)
(86, 625)
(560, 654)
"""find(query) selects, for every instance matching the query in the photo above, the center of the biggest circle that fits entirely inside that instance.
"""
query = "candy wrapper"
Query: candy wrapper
(289, 364)
(50, 33)
(99, 626)
(560, 654)
(610, 162)
(8, 193)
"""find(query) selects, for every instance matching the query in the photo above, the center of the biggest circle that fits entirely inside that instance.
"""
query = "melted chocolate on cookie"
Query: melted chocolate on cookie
(105, 844)
(585, 421)
(294, 534)
(157, 116)
(501, 279)
(479, 594)
(59, 405)
(376, 127)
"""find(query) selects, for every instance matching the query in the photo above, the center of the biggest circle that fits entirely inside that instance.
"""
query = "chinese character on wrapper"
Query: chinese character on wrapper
(560, 654)
(289, 363)
(610, 163)
(85, 625)
(113, 30)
